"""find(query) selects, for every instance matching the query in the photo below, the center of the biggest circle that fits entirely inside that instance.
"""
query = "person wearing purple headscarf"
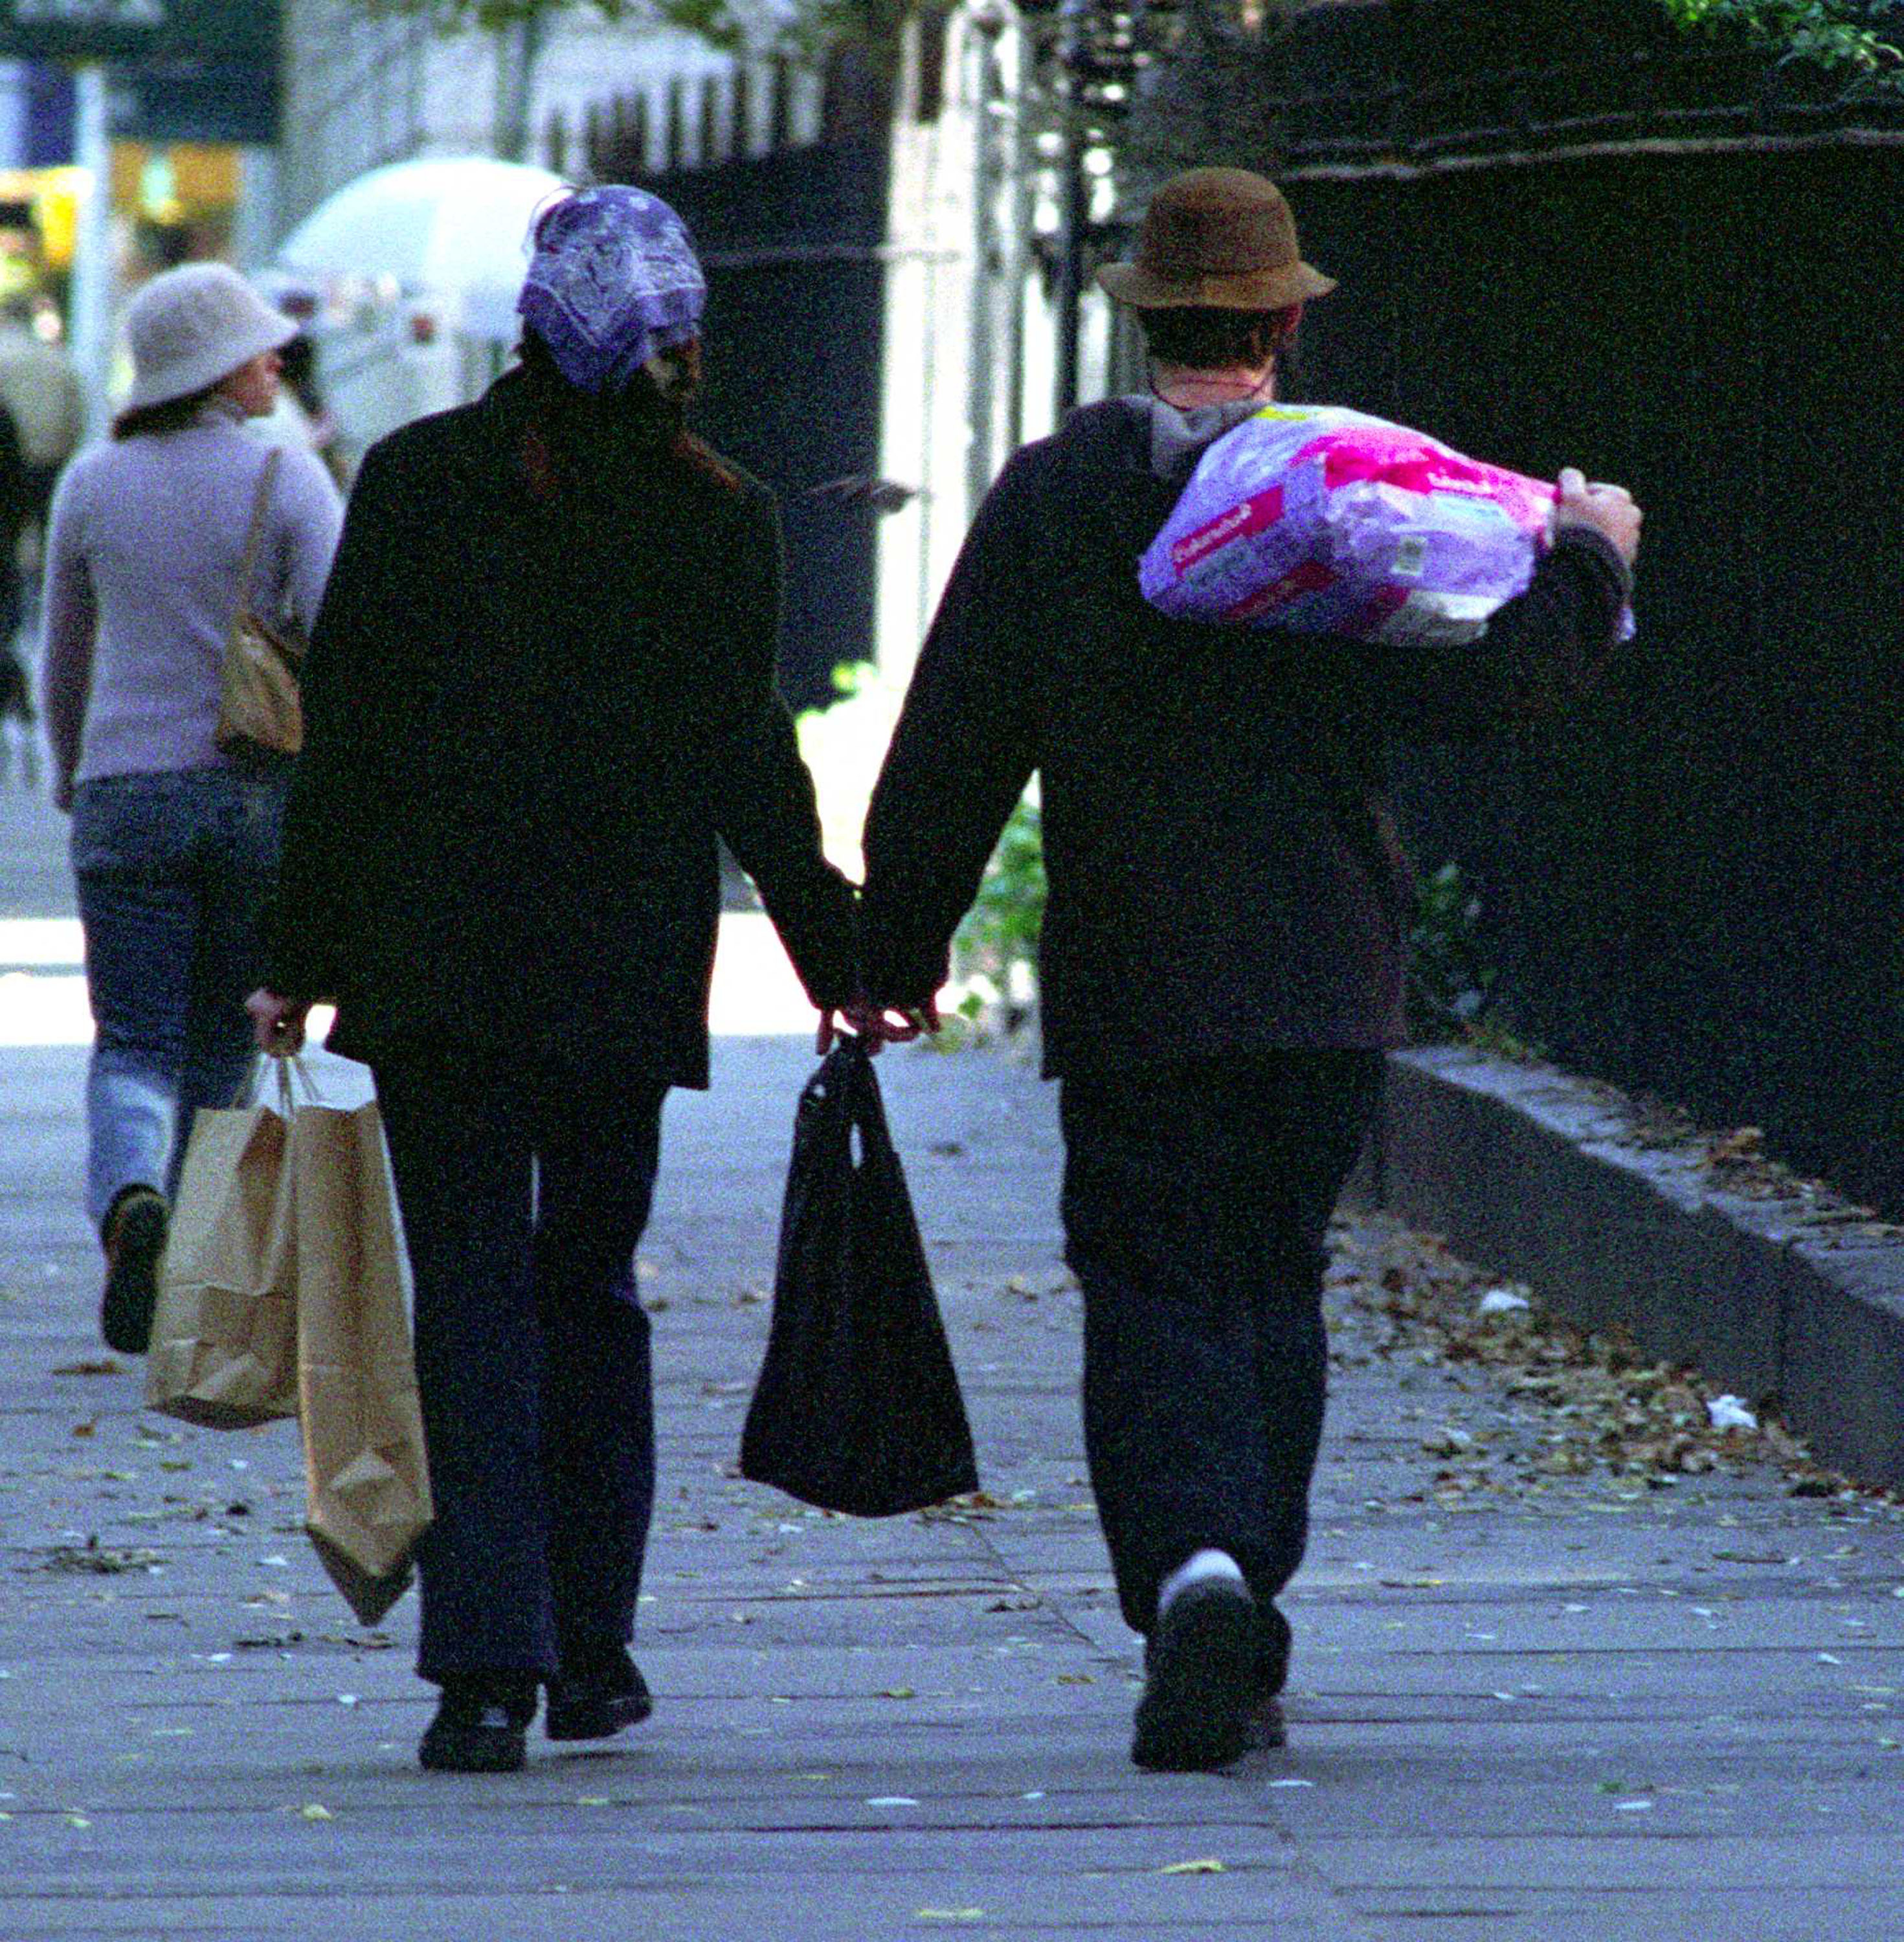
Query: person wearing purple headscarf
(541, 686)
(614, 281)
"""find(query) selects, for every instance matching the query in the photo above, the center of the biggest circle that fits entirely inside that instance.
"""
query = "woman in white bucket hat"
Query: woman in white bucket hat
(174, 845)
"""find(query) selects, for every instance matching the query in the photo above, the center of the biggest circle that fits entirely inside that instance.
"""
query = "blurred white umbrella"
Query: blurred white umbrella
(452, 226)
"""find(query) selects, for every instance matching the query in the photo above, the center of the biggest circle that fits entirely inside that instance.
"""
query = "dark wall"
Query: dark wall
(1697, 881)
(794, 351)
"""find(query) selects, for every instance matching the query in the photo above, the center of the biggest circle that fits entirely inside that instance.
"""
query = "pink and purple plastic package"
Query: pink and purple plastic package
(1324, 520)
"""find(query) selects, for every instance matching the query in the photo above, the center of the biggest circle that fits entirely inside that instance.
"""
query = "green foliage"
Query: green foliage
(999, 938)
(1450, 982)
(1451, 994)
(1831, 33)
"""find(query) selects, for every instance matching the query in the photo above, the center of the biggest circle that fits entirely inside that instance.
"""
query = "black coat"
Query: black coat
(527, 721)
(1223, 869)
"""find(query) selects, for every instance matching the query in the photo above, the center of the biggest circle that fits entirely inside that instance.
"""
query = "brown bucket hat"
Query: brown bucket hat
(1216, 239)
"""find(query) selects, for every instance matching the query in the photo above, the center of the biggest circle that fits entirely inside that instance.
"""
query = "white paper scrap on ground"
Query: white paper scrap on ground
(1502, 1301)
(1729, 1412)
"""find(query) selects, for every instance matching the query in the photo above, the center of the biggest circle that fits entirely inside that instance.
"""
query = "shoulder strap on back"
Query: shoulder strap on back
(260, 505)
(255, 535)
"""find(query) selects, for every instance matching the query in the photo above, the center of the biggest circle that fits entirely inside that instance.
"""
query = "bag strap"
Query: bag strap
(866, 1108)
(255, 533)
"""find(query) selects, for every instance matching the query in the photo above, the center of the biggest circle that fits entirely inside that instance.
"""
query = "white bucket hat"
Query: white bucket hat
(191, 326)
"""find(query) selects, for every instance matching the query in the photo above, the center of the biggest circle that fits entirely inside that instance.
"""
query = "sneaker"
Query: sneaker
(1271, 1672)
(481, 1726)
(1203, 1686)
(134, 1234)
(596, 1694)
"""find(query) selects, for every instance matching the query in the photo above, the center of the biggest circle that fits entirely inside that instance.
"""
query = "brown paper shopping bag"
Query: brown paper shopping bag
(365, 1473)
(224, 1344)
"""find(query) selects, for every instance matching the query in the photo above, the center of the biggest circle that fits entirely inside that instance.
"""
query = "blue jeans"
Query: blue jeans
(172, 869)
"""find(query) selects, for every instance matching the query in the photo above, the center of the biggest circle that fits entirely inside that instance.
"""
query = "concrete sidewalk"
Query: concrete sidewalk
(1526, 1702)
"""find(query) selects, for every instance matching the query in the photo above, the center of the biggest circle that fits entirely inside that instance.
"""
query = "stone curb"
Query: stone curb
(1543, 1176)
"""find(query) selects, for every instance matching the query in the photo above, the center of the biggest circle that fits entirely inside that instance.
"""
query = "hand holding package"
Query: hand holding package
(1324, 520)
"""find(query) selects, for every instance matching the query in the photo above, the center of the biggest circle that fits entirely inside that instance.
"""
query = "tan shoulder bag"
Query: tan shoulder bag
(259, 709)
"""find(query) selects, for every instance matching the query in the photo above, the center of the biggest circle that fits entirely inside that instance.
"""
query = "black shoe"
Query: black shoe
(1266, 1727)
(1202, 1690)
(481, 1726)
(1273, 1643)
(134, 1234)
(596, 1695)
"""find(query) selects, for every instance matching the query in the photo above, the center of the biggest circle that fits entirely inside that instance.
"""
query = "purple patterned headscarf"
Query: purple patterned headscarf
(614, 280)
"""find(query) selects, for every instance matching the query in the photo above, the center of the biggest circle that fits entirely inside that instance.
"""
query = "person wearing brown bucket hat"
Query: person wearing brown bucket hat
(1216, 239)
(1222, 957)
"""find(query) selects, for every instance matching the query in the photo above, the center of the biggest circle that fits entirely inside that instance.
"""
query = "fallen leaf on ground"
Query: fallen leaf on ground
(1744, 1143)
(94, 1557)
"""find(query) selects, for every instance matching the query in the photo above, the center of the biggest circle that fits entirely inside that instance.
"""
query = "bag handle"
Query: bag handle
(289, 1064)
(255, 535)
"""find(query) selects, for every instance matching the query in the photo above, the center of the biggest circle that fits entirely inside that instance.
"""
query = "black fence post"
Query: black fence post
(1074, 204)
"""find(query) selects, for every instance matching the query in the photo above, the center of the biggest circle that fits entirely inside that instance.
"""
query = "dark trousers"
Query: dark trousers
(523, 1193)
(1197, 1200)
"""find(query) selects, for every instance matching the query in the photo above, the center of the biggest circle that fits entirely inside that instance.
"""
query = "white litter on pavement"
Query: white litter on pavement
(1729, 1412)
(1502, 1301)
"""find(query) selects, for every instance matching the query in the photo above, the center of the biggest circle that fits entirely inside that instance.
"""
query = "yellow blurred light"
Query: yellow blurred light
(56, 208)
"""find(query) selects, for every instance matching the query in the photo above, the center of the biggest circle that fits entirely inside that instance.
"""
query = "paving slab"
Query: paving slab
(1561, 1708)
(1573, 1705)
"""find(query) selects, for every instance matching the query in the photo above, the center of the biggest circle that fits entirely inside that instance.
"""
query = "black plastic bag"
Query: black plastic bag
(858, 1408)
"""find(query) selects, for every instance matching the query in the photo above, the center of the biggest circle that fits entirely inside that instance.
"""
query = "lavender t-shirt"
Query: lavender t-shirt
(143, 552)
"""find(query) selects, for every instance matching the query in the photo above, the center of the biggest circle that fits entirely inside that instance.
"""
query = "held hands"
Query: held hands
(878, 1025)
(1609, 510)
(276, 1023)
